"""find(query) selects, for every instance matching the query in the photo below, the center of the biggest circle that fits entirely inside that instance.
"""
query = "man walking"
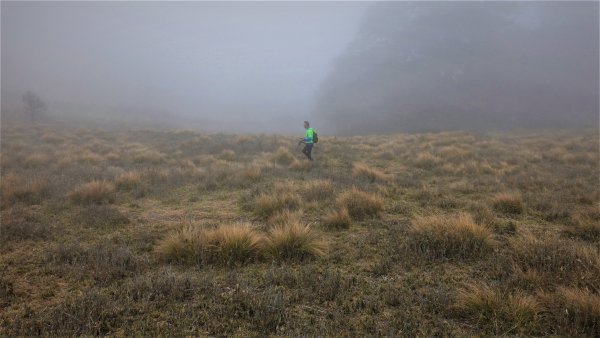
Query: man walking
(308, 141)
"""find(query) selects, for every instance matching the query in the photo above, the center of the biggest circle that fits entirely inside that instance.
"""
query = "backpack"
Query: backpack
(315, 137)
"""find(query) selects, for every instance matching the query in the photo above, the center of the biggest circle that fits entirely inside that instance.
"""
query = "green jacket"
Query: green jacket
(308, 138)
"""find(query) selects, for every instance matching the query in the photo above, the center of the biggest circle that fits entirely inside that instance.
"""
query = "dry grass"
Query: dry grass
(265, 205)
(15, 188)
(283, 156)
(422, 267)
(577, 309)
(93, 192)
(337, 219)
(360, 169)
(128, 180)
(509, 203)
(496, 312)
(360, 204)
(450, 236)
(226, 244)
(296, 241)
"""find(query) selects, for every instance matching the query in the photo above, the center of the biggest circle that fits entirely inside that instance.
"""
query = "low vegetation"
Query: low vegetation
(162, 233)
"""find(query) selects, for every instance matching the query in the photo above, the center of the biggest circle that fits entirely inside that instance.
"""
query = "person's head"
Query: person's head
(306, 124)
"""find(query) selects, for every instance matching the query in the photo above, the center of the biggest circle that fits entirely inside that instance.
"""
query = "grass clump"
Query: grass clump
(509, 203)
(455, 236)
(360, 204)
(337, 219)
(15, 188)
(296, 241)
(128, 180)
(94, 192)
(283, 156)
(265, 205)
(226, 244)
(360, 169)
(575, 309)
(496, 312)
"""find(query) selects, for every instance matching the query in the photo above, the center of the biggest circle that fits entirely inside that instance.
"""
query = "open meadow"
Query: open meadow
(151, 232)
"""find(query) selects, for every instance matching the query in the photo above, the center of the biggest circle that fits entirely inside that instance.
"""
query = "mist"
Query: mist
(428, 66)
(264, 67)
(231, 66)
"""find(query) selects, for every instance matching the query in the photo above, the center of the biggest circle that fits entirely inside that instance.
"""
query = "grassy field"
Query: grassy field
(181, 233)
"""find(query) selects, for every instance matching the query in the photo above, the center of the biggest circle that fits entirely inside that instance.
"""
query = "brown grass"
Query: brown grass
(98, 192)
(15, 187)
(296, 241)
(226, 244)
(577, 309)
(128, 180)
(266, 205)
(360, 169)
(450, 236)
(337, 219)
(496, 312)
(283, 156)
(509, 203)
(360, 204)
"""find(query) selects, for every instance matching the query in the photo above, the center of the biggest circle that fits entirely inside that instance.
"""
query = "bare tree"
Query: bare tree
(34, 105)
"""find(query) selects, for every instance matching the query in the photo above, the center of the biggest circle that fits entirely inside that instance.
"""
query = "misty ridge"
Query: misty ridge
(467, 65)
(351, 68)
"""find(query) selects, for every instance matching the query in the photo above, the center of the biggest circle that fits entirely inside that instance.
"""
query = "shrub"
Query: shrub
(360, 204)
(93, 192)
(444, 236)
(508, 203)
(337, 219)
(128, 180)
(226, 244)
(295, 241)
(361, 169)
(497, 312)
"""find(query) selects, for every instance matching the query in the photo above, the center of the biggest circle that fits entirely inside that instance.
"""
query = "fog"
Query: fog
(228, 66)
(427, 66)
(349, 67)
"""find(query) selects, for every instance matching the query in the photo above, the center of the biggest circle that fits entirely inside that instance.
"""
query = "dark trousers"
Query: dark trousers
(307, 150)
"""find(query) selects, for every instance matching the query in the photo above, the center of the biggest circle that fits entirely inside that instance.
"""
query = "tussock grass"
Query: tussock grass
(455, 236)
(360, 204)
(295, 241)
(509, 203)
(266, 205)
(36, 160)
(128, 180)
(576, 309)
(317, 190)
(559, 261)
(427, 160)
(226, 244)
(497, 312)
(337, 219)
(98, 192)
(360, 169)
(283, 156)
(284, 216)
(14, 187)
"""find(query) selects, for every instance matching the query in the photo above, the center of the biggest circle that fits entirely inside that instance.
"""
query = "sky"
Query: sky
(218, 66)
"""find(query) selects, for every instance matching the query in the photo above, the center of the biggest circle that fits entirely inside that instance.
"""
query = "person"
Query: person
(308, 141)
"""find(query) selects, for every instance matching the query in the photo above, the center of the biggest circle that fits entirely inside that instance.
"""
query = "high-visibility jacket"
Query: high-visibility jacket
(308, 138)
